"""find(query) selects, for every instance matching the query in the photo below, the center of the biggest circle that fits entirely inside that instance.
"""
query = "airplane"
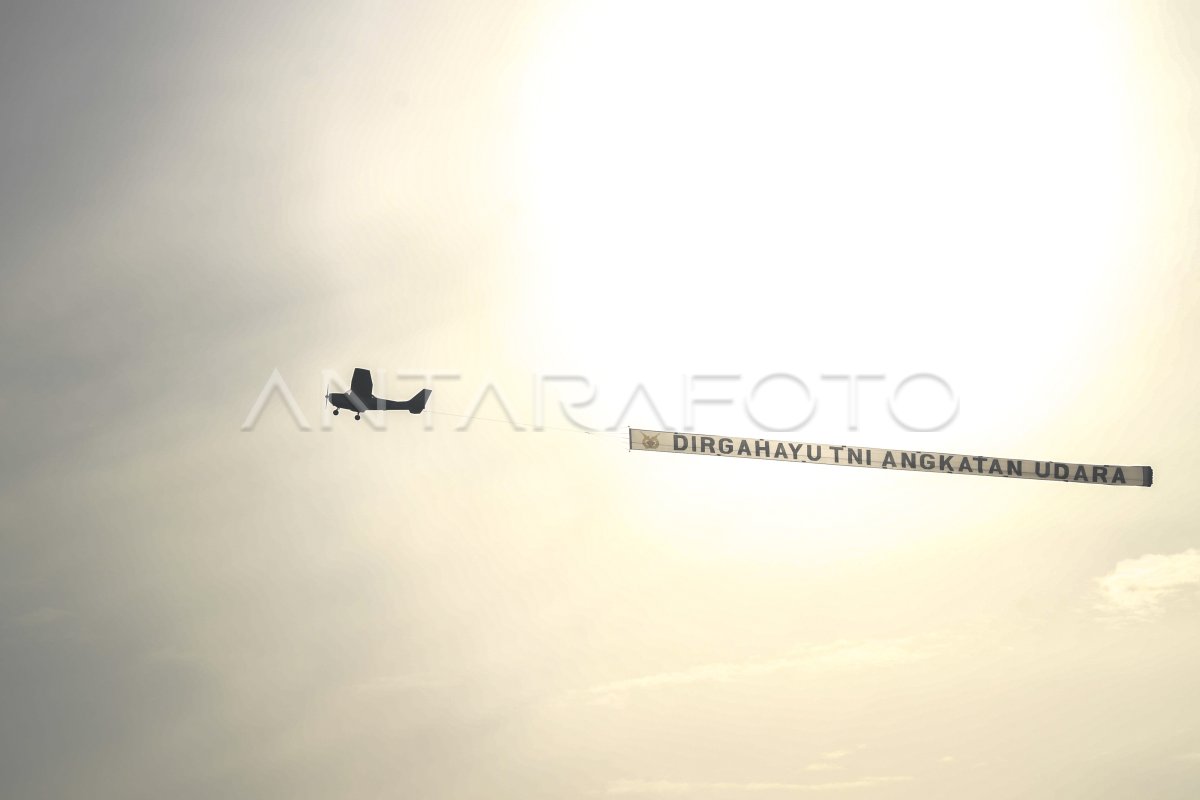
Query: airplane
(360, 398)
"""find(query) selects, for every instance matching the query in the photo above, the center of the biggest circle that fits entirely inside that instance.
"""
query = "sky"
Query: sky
(601, 213)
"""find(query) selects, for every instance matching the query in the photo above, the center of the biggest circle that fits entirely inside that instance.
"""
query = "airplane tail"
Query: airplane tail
(417, 403)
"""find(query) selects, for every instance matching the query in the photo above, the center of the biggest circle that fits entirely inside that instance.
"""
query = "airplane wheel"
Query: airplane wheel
(335, 412)
(356, 416)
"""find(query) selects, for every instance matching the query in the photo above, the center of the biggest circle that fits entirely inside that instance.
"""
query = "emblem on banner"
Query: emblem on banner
(650, 442)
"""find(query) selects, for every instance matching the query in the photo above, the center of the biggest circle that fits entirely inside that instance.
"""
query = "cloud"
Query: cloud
(835, 754)
(1141, 588)
(677, 787)
(828, 759)
(840, 655)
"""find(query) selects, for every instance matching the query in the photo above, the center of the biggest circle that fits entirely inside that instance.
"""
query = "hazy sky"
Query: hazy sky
(195, 196)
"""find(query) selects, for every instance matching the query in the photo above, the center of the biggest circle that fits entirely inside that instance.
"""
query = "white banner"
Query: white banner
(907, 460)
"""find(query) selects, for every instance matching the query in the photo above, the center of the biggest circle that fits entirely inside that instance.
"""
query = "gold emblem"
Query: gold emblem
(650, 442)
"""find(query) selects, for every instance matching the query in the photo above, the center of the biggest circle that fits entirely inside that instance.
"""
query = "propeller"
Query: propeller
(329, 402)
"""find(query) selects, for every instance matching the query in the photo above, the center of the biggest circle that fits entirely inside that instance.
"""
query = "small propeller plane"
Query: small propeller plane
(360, 398)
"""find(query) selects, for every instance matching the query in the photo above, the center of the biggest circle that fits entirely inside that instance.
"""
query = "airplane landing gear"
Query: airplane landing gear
(356, 416)
(335, 412)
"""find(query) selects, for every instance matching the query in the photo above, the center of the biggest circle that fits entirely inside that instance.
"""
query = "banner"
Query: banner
(907, 460)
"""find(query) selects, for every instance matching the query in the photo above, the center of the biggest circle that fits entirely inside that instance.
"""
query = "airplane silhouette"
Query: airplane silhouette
(360, 398)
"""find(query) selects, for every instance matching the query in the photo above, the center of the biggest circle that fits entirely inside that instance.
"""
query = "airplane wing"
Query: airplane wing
(360, 384)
